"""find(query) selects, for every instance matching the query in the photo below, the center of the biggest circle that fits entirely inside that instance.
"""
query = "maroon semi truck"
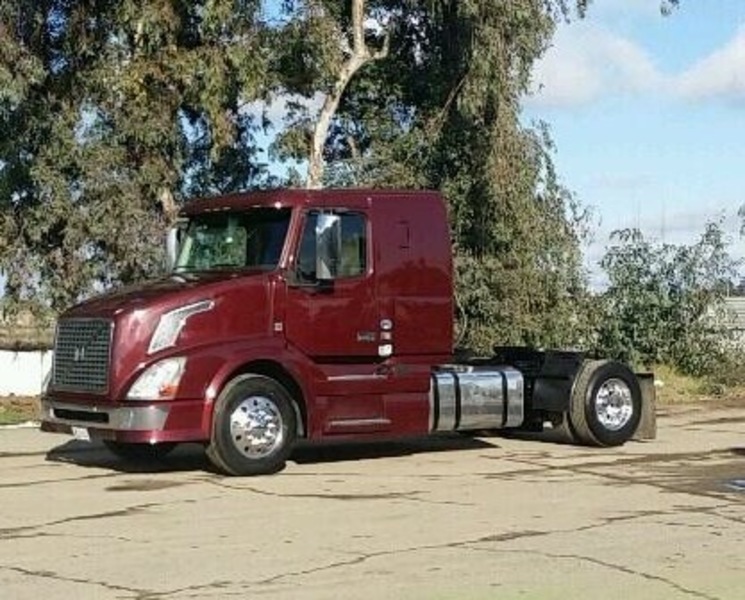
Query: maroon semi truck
(318, 315)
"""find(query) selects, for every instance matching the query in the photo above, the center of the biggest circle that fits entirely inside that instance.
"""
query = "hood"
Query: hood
(173, 290)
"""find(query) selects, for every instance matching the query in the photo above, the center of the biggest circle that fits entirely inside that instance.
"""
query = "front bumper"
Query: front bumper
(155, 422)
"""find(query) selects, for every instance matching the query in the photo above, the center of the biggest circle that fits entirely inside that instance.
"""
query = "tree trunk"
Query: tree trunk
(168, 205)
(359, 55)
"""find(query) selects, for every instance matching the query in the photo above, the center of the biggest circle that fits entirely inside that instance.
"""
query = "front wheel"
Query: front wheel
(606, 404)
(254, 427)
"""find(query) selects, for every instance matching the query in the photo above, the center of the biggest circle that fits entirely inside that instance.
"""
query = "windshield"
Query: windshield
(234, 240)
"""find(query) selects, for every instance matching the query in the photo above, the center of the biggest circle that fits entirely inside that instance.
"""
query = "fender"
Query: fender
(228, 360)
(549, 375)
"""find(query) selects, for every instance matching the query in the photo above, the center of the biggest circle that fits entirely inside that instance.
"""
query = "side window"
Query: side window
(353, 260)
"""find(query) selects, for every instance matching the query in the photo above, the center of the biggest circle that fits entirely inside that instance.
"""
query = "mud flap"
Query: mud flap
(647, 429)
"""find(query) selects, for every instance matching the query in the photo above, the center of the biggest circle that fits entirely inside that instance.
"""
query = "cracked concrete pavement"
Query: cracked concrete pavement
(439, 518)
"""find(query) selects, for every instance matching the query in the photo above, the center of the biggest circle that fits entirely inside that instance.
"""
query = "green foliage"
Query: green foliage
(726, 375)
(665, 302)
(443, 111)
(110, 112)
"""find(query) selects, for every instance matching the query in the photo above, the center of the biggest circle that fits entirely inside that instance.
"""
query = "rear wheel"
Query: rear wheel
(254, 427)
(140, 453)
(606, 404)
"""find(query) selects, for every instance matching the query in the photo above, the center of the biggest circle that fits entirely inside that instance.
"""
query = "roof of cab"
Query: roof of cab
(299, 197)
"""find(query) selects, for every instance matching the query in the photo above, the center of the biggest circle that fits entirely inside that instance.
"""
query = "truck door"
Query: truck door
(334, 319)
(358, 387)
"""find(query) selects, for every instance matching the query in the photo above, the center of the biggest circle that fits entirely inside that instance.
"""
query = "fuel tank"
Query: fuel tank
(465, 397)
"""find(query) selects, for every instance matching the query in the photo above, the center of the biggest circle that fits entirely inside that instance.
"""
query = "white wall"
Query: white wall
(22, 373)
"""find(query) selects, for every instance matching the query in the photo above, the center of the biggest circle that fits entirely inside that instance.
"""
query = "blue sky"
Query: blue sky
(648, 114)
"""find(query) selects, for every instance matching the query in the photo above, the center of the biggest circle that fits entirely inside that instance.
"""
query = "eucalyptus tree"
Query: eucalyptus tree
(109, 112)
(437, 103)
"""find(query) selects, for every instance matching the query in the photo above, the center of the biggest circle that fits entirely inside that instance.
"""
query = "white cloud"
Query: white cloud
(719, 75)
(586, 62)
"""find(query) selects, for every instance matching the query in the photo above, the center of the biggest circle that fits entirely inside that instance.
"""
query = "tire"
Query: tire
(140, 453)
(253, 427)
(563, 432)
(606, 404)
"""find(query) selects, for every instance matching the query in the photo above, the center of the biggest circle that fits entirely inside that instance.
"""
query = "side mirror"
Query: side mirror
(173, 242)
(172, 246)
(328, 246)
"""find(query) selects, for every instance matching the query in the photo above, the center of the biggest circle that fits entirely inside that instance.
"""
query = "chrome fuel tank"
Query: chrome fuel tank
(464, 398)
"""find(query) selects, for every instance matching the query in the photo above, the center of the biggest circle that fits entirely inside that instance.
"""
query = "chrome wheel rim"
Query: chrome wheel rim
(256, 427)
(614, 404)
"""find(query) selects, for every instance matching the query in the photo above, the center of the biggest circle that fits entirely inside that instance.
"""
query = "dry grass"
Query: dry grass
(18, 409)
(674, 388)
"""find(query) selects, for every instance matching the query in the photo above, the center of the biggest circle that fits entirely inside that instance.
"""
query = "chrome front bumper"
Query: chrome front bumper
(119, 418)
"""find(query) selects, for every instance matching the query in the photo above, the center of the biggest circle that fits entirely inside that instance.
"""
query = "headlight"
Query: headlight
(171, 323)
(159, 381)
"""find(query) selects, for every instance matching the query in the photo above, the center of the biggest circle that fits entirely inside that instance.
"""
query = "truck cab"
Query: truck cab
(317, 314)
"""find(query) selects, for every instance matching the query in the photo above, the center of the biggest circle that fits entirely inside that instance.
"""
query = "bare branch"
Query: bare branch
(354, 149)
(358, 29)
(359, 57)
(435, 125)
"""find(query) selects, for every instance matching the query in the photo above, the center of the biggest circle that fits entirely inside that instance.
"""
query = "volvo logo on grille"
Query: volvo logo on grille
(79, 354)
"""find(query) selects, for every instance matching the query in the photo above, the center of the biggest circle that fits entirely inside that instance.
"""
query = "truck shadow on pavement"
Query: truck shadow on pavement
(329, 452)
(191, 457)
(187, 457)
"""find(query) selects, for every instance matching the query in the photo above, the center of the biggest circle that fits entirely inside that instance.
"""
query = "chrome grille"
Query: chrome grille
(81, 355)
